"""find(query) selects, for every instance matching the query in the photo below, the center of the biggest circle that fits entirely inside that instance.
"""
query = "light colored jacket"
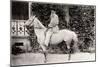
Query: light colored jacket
(54, 23)
(54, 20)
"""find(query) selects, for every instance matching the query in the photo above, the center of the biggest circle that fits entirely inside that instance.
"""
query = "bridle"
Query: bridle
(34, 26)
(32, 21)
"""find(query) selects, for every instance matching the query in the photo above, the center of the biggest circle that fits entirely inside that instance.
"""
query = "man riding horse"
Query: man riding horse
(52, 27)
(53, 36)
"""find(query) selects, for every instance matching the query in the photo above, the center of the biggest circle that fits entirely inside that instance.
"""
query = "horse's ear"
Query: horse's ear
(34, 16)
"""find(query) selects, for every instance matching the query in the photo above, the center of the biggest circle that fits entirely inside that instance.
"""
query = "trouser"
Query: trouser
(48, 37)
(49, 34)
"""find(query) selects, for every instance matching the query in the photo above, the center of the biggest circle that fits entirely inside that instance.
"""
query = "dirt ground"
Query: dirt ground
(38, 58)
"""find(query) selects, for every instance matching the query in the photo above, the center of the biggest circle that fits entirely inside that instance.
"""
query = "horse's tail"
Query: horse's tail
(75, 37)
(75, 44)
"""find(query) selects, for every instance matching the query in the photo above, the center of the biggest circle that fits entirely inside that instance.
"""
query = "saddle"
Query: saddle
(48, 30)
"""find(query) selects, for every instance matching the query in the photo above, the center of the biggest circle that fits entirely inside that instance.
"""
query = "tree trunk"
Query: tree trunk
(67, 17)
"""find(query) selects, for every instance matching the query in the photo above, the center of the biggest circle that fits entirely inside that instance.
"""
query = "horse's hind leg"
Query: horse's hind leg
(69, 53)
(69, 49)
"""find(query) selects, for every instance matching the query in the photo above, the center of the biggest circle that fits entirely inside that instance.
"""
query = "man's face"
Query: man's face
(52, 12)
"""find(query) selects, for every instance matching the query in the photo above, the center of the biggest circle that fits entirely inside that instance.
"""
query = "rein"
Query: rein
(32, 21)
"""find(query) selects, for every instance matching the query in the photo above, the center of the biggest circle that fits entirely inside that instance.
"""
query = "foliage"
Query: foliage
(82, 21)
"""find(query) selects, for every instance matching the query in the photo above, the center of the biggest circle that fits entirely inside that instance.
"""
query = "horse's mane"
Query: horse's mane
(39, 23)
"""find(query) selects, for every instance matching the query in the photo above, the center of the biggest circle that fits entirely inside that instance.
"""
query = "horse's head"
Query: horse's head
(34, 21)
(29, 22)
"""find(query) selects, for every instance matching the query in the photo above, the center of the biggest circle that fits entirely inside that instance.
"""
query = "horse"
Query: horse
(62, 35)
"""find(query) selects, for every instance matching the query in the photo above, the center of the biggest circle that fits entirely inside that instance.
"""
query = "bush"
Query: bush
(82, 21)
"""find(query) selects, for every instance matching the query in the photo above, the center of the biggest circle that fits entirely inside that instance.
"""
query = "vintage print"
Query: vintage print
(48, 33)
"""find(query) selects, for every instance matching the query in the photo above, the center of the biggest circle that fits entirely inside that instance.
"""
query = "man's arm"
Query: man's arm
(54, 21)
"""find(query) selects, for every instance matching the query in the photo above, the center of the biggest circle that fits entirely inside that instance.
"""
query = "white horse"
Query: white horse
(56, 38)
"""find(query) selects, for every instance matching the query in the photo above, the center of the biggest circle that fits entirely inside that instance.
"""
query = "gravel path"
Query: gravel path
(38, 58)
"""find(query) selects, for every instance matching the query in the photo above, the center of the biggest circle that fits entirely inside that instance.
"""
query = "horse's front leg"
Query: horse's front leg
(45, 55)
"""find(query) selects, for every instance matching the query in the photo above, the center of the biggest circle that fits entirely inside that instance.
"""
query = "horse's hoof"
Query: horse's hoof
(45, 61)
(68, 59)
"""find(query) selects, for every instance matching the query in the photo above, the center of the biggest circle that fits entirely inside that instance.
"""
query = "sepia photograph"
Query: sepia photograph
(51, 33)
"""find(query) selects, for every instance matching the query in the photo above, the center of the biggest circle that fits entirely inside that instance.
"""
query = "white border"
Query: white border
(5, 33)
(85, 2)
